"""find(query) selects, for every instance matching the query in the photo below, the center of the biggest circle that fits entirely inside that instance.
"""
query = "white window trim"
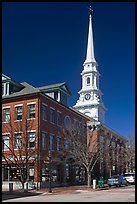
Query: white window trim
(18, 132)
(31, 131)
(31, 118)
(6, 107)
(6, 133)
(17, 120)
(44, 104)
(31, 103)
(18, 105)
(52, 108)
(59, 111)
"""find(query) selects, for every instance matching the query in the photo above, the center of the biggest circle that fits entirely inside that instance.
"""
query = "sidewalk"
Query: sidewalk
(70, 189)
(55, 190)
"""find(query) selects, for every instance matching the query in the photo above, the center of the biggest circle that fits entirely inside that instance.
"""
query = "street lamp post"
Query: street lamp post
(50, 176)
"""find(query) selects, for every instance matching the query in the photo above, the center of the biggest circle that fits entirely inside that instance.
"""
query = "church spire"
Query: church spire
(90, 99)
(90, 46)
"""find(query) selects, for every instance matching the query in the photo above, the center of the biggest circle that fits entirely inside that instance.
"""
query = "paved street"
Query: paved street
(110, 195)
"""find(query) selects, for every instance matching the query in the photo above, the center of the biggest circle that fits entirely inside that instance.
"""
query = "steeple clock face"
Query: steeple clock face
(87, 96)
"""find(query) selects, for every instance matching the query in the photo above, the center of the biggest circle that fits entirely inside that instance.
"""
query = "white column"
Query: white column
(7, 90)
(97, 82)
(95, 85)
(58, 95)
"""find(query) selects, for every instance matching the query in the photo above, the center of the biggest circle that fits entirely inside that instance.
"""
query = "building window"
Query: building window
(31, 111)
(18, 113)
(56, 95)
(31, 139)
(5, 144)
(52, 115)
(58, 143)
(75, 124)
(67, 122)
(66, 144)
(44, 140)
(6, 115)
(88, 81)
(17, 140)
(44, 112)
(51, 142)
(58, 118)
(31, 173)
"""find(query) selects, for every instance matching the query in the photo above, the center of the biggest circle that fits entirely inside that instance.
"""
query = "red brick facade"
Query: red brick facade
(38, 125)
(112, 161)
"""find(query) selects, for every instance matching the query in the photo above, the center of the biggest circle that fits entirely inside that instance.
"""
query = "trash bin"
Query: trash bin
(100, 182)
(10, 187)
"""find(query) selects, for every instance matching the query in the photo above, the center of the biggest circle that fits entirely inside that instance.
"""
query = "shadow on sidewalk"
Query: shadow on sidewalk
(18, 194)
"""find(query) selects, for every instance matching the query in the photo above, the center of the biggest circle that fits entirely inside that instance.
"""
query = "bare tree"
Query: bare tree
(84, 147)
(130, 153)
(22, 150)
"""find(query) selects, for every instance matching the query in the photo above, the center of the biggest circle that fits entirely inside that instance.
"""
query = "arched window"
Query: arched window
(88, 80)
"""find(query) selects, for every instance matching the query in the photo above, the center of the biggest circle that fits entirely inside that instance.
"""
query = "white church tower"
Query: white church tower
(90, 99)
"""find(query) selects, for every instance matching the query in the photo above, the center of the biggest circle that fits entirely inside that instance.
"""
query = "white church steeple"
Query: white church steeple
(90, 102)
(90, 45)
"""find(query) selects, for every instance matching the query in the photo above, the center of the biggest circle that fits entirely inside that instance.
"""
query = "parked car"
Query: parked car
(117, 180)
(130, 177)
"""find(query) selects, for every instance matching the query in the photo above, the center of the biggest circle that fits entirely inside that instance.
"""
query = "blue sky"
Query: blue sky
(45, 43)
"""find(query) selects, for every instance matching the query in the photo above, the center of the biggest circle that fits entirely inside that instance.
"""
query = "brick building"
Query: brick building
(31, 110)
(33, 120)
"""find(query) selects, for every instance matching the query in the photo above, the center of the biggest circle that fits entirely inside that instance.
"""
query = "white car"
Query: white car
(130, 177)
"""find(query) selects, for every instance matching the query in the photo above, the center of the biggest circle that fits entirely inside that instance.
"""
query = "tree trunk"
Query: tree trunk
(22, 185)
(88, 177)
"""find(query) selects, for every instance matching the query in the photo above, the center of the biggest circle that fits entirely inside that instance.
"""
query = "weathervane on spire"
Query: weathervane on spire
(90, 10)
